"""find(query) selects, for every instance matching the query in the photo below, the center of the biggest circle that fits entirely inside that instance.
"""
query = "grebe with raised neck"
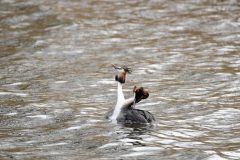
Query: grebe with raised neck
(120, 78)
(125, 111)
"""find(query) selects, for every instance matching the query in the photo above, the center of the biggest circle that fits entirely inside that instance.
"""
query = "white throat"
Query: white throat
(120, 102)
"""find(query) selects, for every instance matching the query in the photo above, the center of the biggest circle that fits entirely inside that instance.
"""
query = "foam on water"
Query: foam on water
(16, 94)
(109, 145)
(39, 116)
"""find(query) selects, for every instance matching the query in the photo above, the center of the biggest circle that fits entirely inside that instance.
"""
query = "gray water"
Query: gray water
(56, 80)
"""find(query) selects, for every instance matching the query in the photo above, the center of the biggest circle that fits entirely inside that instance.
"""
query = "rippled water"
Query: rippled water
(56, 80)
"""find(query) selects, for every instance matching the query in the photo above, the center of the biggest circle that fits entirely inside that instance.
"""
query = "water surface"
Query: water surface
(56, 80)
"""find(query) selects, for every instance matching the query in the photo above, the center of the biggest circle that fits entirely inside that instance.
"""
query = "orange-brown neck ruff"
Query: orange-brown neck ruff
(122, 72)
(140, 93)
(121, 76)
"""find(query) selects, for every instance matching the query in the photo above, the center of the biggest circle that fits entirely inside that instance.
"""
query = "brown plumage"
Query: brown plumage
(122, 73)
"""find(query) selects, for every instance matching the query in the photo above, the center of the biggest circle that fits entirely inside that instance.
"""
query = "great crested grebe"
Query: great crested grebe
(120, 78)
(125, 111)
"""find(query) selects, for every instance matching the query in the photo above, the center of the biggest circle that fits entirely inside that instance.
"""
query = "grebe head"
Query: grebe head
(140, 93)
(122, 72)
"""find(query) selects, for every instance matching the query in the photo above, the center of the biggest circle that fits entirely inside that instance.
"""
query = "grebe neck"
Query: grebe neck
(120, 102)
(134, 100)
(120, 96)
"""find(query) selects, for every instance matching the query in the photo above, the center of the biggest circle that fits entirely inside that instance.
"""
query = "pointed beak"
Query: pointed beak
(116, 67)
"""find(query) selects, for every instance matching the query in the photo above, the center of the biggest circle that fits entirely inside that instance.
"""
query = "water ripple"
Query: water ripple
(56, 81)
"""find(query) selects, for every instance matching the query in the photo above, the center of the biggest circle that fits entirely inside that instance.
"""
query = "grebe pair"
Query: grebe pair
(125, 111)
